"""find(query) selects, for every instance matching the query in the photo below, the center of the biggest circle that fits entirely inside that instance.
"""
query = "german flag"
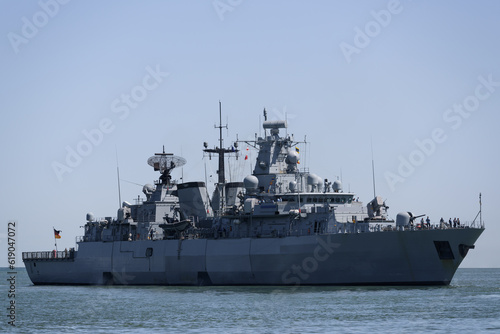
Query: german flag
(56, 234)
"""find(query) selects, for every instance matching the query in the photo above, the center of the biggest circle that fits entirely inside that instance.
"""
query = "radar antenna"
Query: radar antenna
(165, 163)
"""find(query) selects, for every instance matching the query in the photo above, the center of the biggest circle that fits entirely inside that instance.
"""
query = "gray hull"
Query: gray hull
(423, 257)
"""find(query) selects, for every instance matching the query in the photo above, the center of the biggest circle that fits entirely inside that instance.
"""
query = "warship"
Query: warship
(281, 225)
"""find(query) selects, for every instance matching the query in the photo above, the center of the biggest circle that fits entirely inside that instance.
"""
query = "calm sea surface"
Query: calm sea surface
(471, 304)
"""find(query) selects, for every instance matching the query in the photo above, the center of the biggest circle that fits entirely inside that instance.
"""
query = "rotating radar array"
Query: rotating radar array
(165, 163)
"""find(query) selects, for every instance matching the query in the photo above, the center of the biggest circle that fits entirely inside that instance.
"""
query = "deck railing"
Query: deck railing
(49, 255)
(209, 233)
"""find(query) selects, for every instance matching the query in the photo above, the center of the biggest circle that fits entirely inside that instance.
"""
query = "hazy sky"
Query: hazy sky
(85, 81)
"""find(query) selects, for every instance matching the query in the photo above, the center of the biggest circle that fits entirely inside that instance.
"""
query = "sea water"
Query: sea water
(470, 304)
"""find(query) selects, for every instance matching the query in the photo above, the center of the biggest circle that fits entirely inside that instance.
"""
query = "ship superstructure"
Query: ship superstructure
(281, 225)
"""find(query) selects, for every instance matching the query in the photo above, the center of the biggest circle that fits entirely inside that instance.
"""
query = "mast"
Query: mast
(220, 151)
(221, 171)
(480, 211)
(479, 214)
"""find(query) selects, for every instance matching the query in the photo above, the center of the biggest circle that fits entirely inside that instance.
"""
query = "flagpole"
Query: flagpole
(55, 240)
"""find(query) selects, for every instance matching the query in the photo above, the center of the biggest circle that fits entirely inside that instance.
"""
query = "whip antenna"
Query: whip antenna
(118, 174)
(373, 170)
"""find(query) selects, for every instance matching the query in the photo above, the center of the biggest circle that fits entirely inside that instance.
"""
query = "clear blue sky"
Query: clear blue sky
(420, 79)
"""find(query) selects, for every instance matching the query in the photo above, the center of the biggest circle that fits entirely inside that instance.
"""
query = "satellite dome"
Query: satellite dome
(337, 186)
(313, 179)
(293, 186)
(315, 182)
(251, 183)
(90, 217)
(292, 157)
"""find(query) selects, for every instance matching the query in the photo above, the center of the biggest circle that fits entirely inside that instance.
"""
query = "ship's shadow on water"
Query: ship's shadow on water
(290, 290)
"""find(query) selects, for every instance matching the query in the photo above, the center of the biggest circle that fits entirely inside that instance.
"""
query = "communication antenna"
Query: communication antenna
(265, 119)
(137, 184)
(206, 180)
(118, 175)
(373, 170)
(260, 128)
(182, 169)
(306, 160)
(286, 122)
